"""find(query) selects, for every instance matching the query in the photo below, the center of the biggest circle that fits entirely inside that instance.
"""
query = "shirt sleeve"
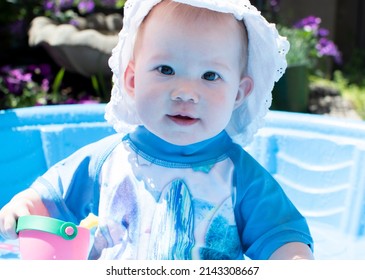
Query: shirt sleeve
(266, 218)
(70, 189)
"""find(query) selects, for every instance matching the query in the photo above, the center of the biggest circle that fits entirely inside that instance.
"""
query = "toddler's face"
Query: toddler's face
(186, 79)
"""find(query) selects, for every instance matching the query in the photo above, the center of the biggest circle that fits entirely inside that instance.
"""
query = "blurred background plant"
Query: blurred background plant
(28, 75)
(310, 46)
(35, 85)
(332, 73)
(353, 92)
(66, 10)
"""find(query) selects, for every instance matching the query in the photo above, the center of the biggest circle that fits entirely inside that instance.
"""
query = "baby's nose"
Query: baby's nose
(185, 95)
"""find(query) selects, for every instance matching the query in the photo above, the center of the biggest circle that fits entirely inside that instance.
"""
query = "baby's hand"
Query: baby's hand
(9, 215)
(27, 202)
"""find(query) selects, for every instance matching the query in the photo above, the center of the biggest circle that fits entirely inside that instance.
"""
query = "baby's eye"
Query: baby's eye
(210, 76)
(166, 70)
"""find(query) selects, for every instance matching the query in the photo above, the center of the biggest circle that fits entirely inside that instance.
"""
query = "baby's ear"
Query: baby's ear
(129, 76)
(244, 90)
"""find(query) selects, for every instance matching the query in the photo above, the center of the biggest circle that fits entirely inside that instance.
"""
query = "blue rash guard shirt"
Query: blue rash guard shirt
(156, 200)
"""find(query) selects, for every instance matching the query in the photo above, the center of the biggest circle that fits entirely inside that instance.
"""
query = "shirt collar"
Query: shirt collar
(148, 143)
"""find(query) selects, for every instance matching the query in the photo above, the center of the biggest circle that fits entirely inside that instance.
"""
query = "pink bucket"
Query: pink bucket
(44, 238)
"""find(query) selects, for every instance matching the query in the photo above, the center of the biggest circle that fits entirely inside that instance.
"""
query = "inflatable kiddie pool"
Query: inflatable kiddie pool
(318, 161)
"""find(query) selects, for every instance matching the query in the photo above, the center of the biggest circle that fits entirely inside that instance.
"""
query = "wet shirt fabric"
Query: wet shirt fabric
(155, 200)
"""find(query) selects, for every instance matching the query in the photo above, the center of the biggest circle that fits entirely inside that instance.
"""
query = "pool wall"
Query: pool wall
(33, 139)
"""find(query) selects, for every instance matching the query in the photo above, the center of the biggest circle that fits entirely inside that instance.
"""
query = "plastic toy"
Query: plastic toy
(44, 238)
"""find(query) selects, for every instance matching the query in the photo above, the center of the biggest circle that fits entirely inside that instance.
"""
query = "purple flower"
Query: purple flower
(65, 4)
(87, 101)
(13, 85)
(16, 79)
(49, 5)
(323, 46)
(326, 47)
(45, 85)
(323, 32)
(310, 23)
(86, 6)
(74, 22)
(18, 75)
(71, 101)
(45, 69)
(275, 4)
(83, 100)
(54, 5)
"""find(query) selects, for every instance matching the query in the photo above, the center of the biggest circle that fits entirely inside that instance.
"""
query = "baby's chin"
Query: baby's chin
(187, 139)
(183, 135)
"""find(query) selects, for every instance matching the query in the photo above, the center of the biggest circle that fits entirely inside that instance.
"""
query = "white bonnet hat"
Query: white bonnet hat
(266, 64)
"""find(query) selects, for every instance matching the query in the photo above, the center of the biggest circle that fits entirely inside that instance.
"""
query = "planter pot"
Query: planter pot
(291, 92)
(84, 49)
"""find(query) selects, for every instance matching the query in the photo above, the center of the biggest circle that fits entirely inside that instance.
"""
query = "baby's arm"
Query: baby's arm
(293, 251)
(27, 202)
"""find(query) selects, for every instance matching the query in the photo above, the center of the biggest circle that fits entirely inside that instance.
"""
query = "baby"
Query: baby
(192, 84)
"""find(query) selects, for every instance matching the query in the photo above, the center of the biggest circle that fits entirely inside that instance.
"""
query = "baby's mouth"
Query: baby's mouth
(183, 120)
